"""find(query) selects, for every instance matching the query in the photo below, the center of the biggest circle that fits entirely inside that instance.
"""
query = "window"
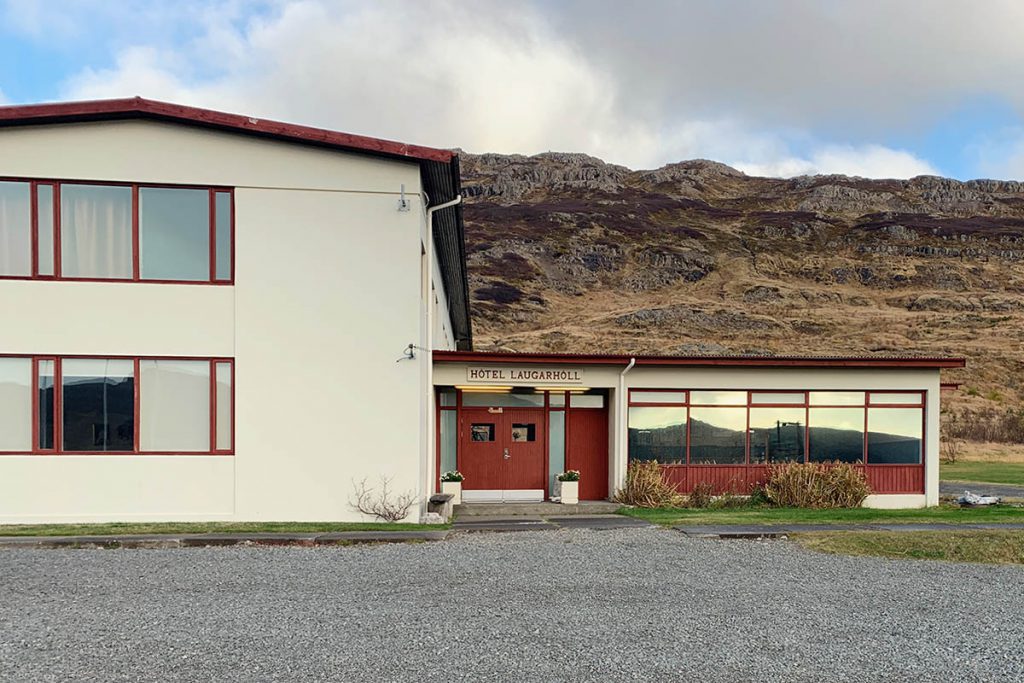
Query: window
(15, 404)
(523, 432)
(893, 398)
(15, 229)
(657, 434)
(837, 398)
(777, 434)
(96, 231)
(718, 398)
(718, 435)
(657, 397)
(116, 231)
(482, 431)
(98, 405)
(174, 234)
(174, 405)
(895, 436)
(497, 400)
(778, 397)
(586, 401)
(836, 434)
(116, 405)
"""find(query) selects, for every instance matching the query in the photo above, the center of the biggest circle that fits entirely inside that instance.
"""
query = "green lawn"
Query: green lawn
(119, 528)
(945, 514)
(993, 547)
(988, 472)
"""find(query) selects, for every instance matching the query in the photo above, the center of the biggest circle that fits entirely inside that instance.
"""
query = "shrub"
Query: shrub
(701, 496)
(646, 487)
(569, 475)
(816, 485)
(758, 496)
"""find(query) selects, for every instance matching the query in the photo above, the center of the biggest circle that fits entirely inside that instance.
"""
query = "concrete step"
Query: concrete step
(586, 507)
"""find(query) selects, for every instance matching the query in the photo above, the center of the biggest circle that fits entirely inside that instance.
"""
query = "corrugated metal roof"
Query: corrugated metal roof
(891, 361)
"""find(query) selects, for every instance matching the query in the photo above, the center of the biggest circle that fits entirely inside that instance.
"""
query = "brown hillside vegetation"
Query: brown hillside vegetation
(567, 253)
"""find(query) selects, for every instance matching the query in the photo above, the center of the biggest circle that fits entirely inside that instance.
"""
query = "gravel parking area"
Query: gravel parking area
(569, 605)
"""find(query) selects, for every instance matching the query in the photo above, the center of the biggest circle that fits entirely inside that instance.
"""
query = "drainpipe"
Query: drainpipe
(428, 347)
(623, 434)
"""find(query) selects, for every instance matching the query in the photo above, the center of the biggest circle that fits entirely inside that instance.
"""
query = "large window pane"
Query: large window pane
(477, 399)
(718, 435)
(894, 436)
(44, 202)
(777, 434)
(16, 404)
(96, 231)
(718, 398)
(174, 405)
(222, 209)
(99, 404)
(46, 405)
(15, 229)
(657, 434)
(837, 398)
(556, 447)
(174, 234)
(225, 404)
(836, 434)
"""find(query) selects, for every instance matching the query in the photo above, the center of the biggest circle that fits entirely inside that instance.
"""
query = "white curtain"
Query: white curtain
(96, 231)
(15, 229)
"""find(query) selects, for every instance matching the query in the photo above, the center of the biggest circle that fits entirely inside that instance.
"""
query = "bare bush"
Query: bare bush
(817, 485)
(701, 496)
(383, 505)
(646, 487)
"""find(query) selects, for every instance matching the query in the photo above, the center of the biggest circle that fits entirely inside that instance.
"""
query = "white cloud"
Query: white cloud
(869, 161)
(618, 85)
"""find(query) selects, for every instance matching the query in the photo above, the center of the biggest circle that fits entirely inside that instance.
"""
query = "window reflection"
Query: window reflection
(99, 405)
(174, 234)
(776, 434)
(718, 435)
(836, 434)
(895, 436)
(657, 434)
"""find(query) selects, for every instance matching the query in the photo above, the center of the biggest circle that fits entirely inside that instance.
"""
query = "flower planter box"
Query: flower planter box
(567, 492)
(454, 488)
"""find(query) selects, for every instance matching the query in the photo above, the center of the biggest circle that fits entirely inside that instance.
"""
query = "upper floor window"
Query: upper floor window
(116, 231)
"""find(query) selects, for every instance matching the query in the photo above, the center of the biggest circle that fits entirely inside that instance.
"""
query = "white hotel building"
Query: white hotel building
(206, 316)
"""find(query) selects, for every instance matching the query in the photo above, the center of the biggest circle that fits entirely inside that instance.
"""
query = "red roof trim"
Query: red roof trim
(137, 107)
(729, 361)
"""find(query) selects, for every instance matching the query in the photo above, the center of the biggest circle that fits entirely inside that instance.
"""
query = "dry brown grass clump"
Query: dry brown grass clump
(816, 485)
(646, 487)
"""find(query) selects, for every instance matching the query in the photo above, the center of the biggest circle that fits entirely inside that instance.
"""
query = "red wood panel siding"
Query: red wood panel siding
(739, 479)
(896, 478)
(587, 450)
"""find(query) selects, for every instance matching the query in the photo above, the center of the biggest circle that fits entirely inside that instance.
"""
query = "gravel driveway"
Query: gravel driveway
(569, 605)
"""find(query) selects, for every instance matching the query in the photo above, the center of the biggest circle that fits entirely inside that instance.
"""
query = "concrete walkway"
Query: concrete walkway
(957, 488)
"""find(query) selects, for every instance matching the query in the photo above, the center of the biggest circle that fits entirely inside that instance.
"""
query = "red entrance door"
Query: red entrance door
(503, 448)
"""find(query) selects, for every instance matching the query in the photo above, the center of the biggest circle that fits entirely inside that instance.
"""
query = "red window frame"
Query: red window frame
(872, 399)
(58, 407)
(212, 190)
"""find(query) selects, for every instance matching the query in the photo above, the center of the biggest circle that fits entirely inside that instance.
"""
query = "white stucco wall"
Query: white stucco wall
(663, 377)
(327, 295)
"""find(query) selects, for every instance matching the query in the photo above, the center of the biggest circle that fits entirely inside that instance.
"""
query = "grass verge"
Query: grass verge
(944, 514)
(985, 472)
(991, 547)
(125, 528)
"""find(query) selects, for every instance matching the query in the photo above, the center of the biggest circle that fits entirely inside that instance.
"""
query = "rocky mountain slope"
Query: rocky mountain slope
(568, 253)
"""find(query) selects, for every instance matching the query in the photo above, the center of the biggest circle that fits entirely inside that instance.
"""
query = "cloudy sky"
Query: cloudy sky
(879, 88)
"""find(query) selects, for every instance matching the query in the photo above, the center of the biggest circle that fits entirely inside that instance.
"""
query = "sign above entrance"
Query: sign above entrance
(524, 376)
